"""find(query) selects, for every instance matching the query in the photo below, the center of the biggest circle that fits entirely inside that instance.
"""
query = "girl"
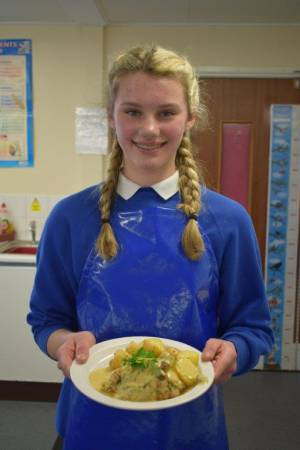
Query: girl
(152, 253)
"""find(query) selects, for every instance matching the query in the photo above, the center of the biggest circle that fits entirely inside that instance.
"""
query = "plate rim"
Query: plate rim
(77, 370)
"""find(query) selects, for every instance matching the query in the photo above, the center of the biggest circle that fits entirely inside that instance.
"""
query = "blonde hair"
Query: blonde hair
(158, 62)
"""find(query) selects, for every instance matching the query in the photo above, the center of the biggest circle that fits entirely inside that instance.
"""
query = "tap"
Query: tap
(32, 229)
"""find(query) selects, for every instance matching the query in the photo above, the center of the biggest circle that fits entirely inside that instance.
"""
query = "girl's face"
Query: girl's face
(150, 116)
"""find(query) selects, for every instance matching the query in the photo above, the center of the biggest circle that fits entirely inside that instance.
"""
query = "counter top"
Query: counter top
(15, 258)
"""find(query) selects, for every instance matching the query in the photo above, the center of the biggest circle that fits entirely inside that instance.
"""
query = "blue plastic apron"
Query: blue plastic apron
(149, 289)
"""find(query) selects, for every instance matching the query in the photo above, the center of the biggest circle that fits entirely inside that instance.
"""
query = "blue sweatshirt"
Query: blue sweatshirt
(70, 233)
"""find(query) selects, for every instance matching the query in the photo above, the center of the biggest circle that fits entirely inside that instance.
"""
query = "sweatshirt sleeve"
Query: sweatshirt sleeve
(53, 295)
(243, 311)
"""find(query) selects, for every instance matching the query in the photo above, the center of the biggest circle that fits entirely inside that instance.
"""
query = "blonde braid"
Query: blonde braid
(106, 244)
(189, 185)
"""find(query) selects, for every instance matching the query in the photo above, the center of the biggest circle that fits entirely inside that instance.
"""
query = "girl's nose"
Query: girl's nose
(149, 127)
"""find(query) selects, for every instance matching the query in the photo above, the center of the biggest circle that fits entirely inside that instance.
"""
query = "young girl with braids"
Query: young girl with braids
(151, 253)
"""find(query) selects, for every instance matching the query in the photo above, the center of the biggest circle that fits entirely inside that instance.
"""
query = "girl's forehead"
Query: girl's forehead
(140, 86)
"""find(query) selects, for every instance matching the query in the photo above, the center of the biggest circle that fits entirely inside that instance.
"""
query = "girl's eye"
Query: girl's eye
(167, 113)
(132, 112)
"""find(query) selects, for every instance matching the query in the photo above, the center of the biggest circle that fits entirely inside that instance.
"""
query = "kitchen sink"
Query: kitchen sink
(19, 247)
(22, 250)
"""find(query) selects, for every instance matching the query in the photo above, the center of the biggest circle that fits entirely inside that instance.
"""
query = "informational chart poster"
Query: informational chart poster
(16, 121)
(282, 255)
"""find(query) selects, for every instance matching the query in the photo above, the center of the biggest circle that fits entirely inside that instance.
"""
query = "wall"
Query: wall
(67, 72)
(215, 45)
(68, 67)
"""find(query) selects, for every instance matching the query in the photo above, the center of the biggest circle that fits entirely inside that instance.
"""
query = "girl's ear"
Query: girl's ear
(110, 118)
(111, 122)
(190, 122)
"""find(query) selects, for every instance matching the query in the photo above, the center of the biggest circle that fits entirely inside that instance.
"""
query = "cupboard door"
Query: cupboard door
(21, 359)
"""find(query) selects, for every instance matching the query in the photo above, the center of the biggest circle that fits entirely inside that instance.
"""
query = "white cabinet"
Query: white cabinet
(21, 359)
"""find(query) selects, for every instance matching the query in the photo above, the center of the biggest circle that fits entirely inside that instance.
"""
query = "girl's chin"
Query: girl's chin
(153, 169)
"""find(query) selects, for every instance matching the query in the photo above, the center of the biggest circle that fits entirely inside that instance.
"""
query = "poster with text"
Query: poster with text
(283, 219)
(16, 121)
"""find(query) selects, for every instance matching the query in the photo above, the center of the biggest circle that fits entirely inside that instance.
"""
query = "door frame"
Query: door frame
(243, 72)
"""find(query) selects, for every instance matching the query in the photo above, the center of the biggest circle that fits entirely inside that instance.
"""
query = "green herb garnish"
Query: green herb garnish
(141, 359)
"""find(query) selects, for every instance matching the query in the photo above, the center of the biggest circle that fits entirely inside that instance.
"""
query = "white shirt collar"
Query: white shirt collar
(165, 188)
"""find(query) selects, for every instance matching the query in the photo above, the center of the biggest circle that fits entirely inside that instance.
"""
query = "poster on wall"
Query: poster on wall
(91, 130)
(282, 258)
(16, 121)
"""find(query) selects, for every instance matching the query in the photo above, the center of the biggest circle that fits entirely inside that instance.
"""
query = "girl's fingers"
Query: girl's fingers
(225, 364)
(83, 343)
(223, 356)
(211, 349)
(66, 355)
(75, 347)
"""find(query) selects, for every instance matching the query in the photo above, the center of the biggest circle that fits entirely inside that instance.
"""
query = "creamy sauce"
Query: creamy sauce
(158, 373)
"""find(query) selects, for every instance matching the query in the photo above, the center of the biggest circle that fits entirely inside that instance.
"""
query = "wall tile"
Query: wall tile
(21, 210)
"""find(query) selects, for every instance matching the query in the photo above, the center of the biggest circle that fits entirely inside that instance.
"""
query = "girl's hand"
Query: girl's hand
(223, 356)
(66, 346)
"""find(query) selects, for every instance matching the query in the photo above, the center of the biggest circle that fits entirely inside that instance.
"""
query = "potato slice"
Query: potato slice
(133, 347)
(189, 354)
(154, 345)
(187, 371)
(173, 351)
(175, 380)
(99, 376)
(118, 359)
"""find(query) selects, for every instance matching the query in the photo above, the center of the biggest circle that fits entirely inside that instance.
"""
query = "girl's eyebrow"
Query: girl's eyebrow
(164, 105)
(130, 104)
(169, 105)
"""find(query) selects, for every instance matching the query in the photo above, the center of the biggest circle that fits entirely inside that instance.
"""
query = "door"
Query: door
(245, 103)
(240, 120)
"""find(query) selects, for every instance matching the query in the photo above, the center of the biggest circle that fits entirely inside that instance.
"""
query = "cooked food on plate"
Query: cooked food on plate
(148, 371)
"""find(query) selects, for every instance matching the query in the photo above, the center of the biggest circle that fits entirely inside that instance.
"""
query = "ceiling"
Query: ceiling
(149, 12)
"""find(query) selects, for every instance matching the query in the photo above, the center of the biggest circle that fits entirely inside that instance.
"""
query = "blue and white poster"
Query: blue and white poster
(16, 121)
(283, 235)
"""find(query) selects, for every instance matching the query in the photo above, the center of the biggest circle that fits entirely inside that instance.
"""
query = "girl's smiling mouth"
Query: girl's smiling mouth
(149, 146)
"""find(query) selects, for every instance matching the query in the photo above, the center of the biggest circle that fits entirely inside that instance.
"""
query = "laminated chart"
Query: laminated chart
(282, 243)
(16, 134)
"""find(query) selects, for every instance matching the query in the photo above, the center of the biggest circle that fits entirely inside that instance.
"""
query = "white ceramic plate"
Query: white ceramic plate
(101, 354)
